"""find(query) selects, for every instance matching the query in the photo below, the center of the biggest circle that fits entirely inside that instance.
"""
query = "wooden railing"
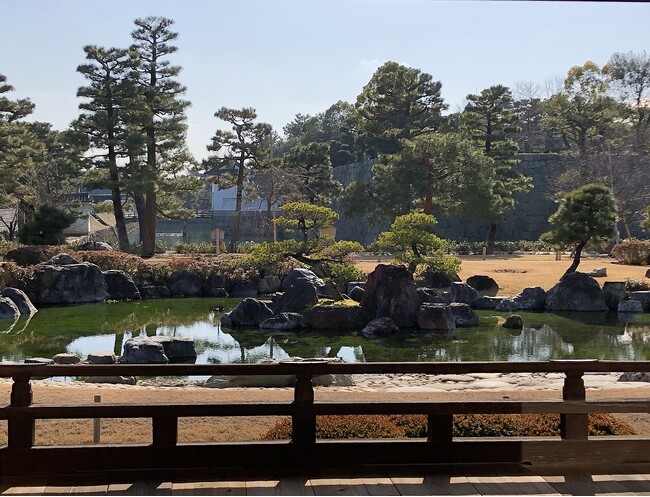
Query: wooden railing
(304, 452)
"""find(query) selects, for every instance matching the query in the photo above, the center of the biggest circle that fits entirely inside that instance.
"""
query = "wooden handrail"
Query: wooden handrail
(305, 451)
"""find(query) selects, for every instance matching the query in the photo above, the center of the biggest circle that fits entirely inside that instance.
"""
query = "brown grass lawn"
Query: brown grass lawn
(513, 273)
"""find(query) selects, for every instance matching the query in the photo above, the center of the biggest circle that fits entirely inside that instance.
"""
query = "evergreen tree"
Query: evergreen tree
(490, 122)
(109, 98)
(310, 165)
(161, 117)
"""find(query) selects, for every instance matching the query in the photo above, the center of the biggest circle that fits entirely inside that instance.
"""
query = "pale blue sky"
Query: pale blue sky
(285, 57)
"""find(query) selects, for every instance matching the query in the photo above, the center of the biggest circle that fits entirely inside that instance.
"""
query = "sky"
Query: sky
(284, 57)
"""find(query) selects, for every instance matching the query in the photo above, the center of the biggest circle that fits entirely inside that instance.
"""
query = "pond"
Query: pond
(97, 327)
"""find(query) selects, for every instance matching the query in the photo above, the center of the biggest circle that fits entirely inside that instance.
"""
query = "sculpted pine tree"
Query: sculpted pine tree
(109, 97)
(310, 165)
(490, 122)
(160, 117)
(398, 102)
(243, 146)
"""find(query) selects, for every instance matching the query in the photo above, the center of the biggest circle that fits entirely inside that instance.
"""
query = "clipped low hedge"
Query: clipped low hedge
(465, 425)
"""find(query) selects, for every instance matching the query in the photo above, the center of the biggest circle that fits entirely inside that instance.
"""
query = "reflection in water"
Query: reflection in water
(85, 329)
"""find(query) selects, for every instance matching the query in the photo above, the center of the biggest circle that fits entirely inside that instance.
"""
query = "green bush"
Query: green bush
(159, 248)
(507, 246)
(6, 245)
(465, 425)
(47, 226)
(16, 276)
(28, 255)
(633, 252)
(634, 285)
(194, 248)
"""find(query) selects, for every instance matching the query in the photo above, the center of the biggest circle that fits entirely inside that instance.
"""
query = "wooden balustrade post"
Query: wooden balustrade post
(440, 427)
(21, 430)
(165, 431)
(303, 425)
(574, 426)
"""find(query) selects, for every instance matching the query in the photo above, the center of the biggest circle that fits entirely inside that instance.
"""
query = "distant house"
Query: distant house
(89, 221)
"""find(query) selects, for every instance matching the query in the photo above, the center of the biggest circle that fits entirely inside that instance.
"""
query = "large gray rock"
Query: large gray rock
(514, 322)
(185, 283)
(464, 315)
(599, 272)
(532, 298)
(285, 321)
(8, 310)
(61, 259)
(507, 305)
(269, 284)
(630, 306)
(73, 284)
(112, 380)
(154, 292)
(647, 273)
(436, 317)
(352, 284)
(430, 295)
(390, 292)
(249, 312)
(438, 279)
(484, 285)
(335, 317)
(643, 297)
(379, 327)
(489, 303)
(21, 300)
(100, 246)
(215, 286)
(298, 297)
(143, 350)
(357, 294)
(614, 292)
(576, 292)
(294, 274)
(244, 289)
(120, 285)
(463, 293)
(38, 360)
(66, 358)
(177, 349)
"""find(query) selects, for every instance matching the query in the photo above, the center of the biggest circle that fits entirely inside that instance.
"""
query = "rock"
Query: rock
(21, 300)
(463, 293)
(113, 380)
(294, 274)
(96, 246)
(430, 295)
(102, 357)
(66, 358)
(507, 305)
(249, 312)
(298, 297)
(215, 286)
(38, 360)
(352, 284)
(484, 285)
(390, 292)
(576, 292)
(143, 350)
(8, 309)
(643, 297)
(436, 317)
(614, 292)
(438, 279)
(185, 283)
(630, 306)
(154, 292)
(72, 284)
(244, 289)
(252, 381)
(177, 349)
(61, 259)
(269, 284)
(599, 272)
(379, 326)
(632, 376)
(464, 315)
(357, 294)
(285, 321)
(335, 317)
(490, 303)
(532, 298)
(647, 273)
(120, 285)
(514, 322)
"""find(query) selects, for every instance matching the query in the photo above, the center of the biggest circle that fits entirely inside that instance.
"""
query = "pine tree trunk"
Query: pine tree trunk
(238, 202)
(138, 198)
(149, 235)
(576, 258)
(492, 234)
(120, 222)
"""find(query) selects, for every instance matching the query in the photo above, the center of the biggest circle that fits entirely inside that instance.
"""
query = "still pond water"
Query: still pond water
(96, 327)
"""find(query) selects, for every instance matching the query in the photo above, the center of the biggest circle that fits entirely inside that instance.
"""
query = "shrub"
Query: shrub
(194, 248)
(159, 248)
(465, 425)
(28, 255)
(47, 226)
(632, 252)
(16, 276)
(6, 245)
(634, 285)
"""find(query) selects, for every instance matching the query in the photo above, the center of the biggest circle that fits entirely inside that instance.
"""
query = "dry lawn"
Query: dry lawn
(513, 273)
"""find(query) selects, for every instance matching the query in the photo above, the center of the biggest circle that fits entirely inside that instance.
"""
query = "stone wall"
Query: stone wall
(527, 221)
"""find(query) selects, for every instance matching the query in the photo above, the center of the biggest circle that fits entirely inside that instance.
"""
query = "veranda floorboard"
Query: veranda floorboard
(141, 487)
(209, 488)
